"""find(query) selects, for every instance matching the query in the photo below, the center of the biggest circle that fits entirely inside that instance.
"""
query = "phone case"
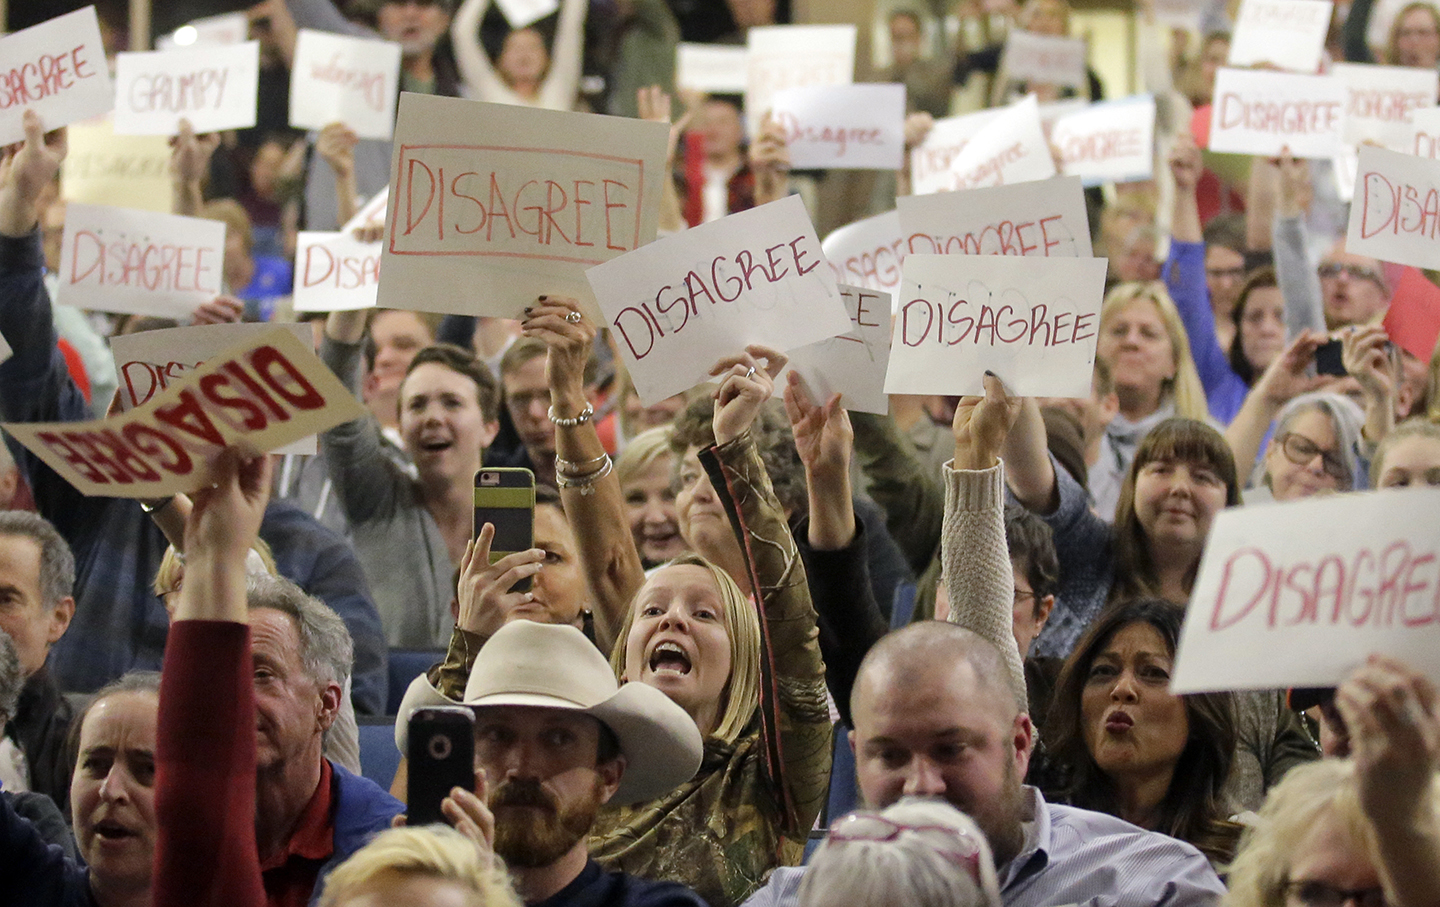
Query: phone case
(505, 498)
(441, 757)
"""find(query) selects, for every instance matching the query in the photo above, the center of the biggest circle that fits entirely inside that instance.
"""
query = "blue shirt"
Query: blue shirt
(1075, 856)
(594, 887)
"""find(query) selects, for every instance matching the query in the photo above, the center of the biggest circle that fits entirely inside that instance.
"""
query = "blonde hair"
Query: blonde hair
(1185, 389)
(741, 698)
(1308, 794)
(172, 566)
(641, 451)
(1392, 41)
(232, 214)
(434, 851)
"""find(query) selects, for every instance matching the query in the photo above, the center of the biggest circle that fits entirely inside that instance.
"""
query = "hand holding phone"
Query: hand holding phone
(441, 758)
(489, 592)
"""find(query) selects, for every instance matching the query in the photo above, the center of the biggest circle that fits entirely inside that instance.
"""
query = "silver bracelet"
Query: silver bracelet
(580, 419)
(585, 483)
(562, 464)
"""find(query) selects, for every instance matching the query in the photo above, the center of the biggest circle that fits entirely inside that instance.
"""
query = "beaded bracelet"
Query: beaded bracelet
(581, 419)
(562, 464)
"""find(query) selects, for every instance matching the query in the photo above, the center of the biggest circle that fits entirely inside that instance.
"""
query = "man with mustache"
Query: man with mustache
(556, 738)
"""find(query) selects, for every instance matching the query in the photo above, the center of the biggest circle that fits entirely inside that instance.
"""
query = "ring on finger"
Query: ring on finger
(573, 317)
(751, 373)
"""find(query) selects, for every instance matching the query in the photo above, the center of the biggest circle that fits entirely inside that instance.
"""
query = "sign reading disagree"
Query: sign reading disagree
(257, 396)
(58, 70)
(852, 364)
(1396, 212)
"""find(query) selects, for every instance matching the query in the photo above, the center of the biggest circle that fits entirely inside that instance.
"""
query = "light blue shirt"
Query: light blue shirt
(1075, 856)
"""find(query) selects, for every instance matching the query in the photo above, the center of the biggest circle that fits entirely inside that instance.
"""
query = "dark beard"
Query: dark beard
(542, 832)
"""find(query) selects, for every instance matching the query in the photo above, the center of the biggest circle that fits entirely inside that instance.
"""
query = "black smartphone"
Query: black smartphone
(505, 498)
(441, 757)
(1330, 358)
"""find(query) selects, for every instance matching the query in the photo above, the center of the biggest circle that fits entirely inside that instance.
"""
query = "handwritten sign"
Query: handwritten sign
(1289, 34)
(1381, 100)
(1257, 112)
(1396, 212)
(794, 56)
(213, 87)
(521, 13)
(1033, 323)
(1298, 594)
(1044, 218)
(1425, 134)
(373, 210)
(1413, 318)
(855, 127)
(930, 160)
(492, 205)
(852, 364)
(226, 28)
(1044, 59)
(127, 171)
(119, 260)
(679, 304)
(337, 79)
(868, 253)
(257, 395)
(58, 70)
(334, 272)
(147, 362)
(1113, 141)
(712, 68)
(1010, 149)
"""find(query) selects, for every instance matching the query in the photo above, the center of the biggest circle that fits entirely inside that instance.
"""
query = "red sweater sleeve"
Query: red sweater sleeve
(205, 852)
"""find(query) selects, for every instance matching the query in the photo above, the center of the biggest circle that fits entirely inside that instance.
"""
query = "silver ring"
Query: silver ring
(750, 374)
(573, 317)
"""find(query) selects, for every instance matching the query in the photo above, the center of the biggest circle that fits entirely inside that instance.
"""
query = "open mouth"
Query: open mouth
(669, 658)
(436, 445)
(111, 830)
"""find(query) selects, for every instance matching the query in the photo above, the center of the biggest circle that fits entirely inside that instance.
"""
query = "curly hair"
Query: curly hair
(773, 438)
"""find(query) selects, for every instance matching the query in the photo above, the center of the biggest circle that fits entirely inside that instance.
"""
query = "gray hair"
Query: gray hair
(325, 647)
(57, 564)
(11, 678)
(915, 868)
(1347, 419)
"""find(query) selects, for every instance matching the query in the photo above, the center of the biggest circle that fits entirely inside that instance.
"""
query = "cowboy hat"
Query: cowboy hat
(554, 666)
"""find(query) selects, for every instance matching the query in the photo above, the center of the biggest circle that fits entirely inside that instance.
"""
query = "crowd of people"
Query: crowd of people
(763, 650)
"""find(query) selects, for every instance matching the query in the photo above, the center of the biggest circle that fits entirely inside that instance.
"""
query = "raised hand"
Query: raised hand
(982, 424)
(558, 321)
(1185, 162)
(220, 310)
(27, 170)
(1288, 376)
(336, 146)
(1367, 358)
(1394, 721)
(470, 813)
(190, 153)
(823, 435)
(745, 385)
(770, 162)
(486, 602)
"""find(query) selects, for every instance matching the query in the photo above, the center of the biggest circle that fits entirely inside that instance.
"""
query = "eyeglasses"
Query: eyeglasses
(1301, 451)
(1320, 894)
(1355, 272)
(958, 847)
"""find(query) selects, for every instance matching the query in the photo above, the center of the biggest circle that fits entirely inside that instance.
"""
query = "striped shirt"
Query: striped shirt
(1076, 856)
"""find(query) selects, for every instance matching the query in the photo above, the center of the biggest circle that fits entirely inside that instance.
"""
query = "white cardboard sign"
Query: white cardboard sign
(213, 87)
(126, 171)
(339, 79)
(521, 13)
(1043, 218)
(1113, 141)
(1010, 149)
(848, 127)
(712, 68)
(373, 210)
(1044, 59)
(930, 160)
(794, 56)
(58, 70)
(1382, 100)
(868, 253)
(1425, 134)
(1033, 323)
(120, 260)
(1299, 594)
(1289, 34)
(682, 302)
(492, 205)
(1258, 112)
(257, 395)
(852, 364)
(1396, 212)
(148, 362)
(334, 272)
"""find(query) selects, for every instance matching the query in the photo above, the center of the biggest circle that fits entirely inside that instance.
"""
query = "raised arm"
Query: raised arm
(1294, 271)
(336, 145)
(770, 162)
(913, 501)
(589, 486)
(1394, 720)
(1029, 470)
(1286, 378)
(561, 85)
(978, 575)
(795, 723)
(189, 162)
(478, 73)
(1367, 356)
(205, 751)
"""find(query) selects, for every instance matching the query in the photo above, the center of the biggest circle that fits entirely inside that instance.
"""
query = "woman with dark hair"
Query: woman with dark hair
(1124, 745)
(1259, 318)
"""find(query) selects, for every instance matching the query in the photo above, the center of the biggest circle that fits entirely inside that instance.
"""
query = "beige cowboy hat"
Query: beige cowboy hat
(554, 666)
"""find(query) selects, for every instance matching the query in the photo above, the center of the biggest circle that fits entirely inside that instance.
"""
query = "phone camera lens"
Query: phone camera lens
(440, 747)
